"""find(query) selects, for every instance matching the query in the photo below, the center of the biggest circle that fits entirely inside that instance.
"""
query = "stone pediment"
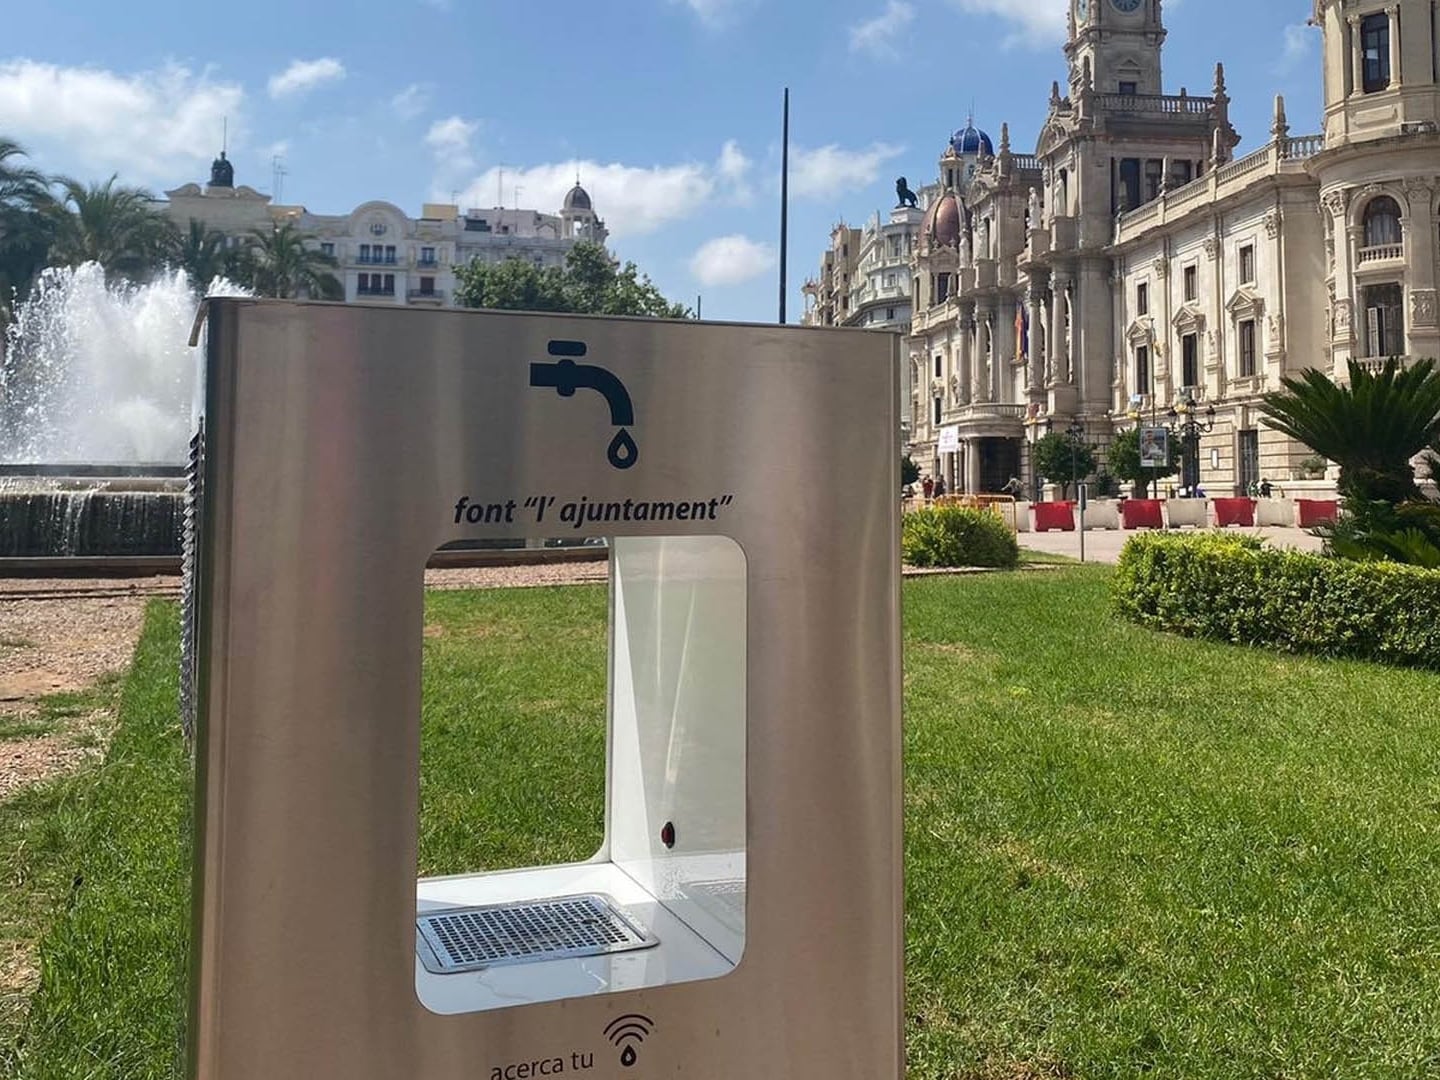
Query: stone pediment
(1245, 304)
(1189, 320)
(1141, 331)
(1051, 135)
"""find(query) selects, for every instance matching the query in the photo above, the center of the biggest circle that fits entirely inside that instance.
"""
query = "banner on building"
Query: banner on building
(949, 440)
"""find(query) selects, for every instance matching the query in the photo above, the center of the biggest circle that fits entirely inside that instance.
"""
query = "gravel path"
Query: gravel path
(62, 634)
(51, 644)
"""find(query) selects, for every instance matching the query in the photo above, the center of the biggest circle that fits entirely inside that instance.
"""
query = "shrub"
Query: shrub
(1231, 588)
(957, 536)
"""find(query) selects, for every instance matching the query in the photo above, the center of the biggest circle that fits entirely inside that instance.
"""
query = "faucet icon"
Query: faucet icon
(566, 376)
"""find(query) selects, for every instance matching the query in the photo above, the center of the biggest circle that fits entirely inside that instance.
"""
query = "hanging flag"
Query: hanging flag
(1022, 331)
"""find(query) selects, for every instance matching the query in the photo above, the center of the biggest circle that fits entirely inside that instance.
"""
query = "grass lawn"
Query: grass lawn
(1126, 853)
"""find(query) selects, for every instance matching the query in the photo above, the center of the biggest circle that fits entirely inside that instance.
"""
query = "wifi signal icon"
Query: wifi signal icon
(626, 1033)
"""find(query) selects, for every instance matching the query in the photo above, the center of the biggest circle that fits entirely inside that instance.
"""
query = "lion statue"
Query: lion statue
(905, 195)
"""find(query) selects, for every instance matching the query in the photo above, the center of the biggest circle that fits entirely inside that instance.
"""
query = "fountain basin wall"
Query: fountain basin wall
(90, 523)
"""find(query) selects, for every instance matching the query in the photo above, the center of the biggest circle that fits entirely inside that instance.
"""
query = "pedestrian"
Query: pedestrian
(927, 487)
(1012, 486)
(940, 486)
(1265, 489)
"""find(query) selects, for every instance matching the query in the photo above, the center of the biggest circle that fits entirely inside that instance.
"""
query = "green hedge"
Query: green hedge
(957, 536)
(1231, 588)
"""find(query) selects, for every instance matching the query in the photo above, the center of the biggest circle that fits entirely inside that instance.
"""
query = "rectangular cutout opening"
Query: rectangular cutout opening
(582, 819)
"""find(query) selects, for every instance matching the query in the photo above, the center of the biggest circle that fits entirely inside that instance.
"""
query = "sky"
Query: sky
(668, 110)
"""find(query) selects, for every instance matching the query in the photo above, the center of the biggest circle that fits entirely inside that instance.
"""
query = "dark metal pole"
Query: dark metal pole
(784, 196)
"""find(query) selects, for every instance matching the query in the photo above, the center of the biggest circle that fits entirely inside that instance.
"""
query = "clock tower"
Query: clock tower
(1118, 41)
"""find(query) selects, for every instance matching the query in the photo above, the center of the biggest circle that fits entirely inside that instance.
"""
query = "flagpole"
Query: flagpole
(784, 195)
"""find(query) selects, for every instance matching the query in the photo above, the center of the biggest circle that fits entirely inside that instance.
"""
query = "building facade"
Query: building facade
(864, 281)
(385, 256)
(1133, 263)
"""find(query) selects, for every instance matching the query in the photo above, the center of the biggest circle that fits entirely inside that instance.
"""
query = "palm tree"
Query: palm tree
(280, 262)
(24, 225)
(117, 227)
(1371, 428)
(201, 252)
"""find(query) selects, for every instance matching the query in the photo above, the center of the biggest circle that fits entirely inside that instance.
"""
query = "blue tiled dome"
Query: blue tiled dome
(971, 140)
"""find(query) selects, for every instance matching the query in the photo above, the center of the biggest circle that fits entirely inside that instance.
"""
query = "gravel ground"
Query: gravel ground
(61, 634)
(51, 644)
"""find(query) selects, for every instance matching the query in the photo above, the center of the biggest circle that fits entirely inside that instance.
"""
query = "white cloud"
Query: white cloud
(733, 170)
(830, 170)
(305, 75)
(880, 36)
(451, 135)
(1041, 22)
(1298, 42)
(729, 260)
(715, 12)
(413, 100)
(632, 199)
(153, 127)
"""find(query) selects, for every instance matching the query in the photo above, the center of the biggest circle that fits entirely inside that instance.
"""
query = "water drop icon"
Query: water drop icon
(627, 1056)
(622, 452)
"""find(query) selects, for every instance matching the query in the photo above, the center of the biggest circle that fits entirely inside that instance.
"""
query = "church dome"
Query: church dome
(942, 221)
(577, 198)
(971, 140)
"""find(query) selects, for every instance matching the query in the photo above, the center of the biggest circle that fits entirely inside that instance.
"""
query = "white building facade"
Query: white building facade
(385, 256)
(1133, 262)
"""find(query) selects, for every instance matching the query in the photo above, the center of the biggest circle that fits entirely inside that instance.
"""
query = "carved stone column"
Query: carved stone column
(1394, 12)
(967, 331)
(1060, 329)
(983, 356)
(1035, 376)
(1357, 55)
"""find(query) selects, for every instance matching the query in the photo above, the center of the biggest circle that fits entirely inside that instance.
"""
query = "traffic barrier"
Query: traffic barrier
(1234, 512)
(1312, 512)
(1275, 512)
(1054, 515)
(1180, 512)
(1142, 514)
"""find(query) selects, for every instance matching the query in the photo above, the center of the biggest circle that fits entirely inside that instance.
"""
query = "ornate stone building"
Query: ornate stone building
(1133, 262)
(383, 254)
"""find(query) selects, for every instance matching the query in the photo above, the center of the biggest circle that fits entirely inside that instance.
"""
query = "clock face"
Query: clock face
(1126, 6)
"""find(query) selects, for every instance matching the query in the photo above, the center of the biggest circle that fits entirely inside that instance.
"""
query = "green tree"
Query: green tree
(25, 226)
(1059, 457)
(909, 471)
(1125, 464)
(201, 252)
(116, 226)
(1370, 428)
(283, 263)
(511, 285)
(590, 283)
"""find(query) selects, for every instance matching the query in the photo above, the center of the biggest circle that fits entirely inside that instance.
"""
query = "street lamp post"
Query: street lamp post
(1190, 429)
(1076, 432)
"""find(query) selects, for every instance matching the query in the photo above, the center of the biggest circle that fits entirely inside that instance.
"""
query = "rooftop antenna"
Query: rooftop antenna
(500, 189)
(224, 135)
(784, 195)
(518, 190)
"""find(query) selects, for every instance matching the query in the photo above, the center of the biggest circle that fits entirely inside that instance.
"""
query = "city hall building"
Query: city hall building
(1133, 261)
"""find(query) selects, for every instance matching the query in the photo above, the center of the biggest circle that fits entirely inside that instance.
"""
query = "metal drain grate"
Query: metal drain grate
(463, 939)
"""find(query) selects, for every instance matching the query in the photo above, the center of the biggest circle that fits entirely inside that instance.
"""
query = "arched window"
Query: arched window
(1382, 222)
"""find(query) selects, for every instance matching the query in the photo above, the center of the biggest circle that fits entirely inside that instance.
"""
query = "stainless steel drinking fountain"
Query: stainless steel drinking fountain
(742, 917)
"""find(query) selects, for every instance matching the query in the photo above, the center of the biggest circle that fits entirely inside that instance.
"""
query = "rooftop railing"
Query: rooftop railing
(1167, 104)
